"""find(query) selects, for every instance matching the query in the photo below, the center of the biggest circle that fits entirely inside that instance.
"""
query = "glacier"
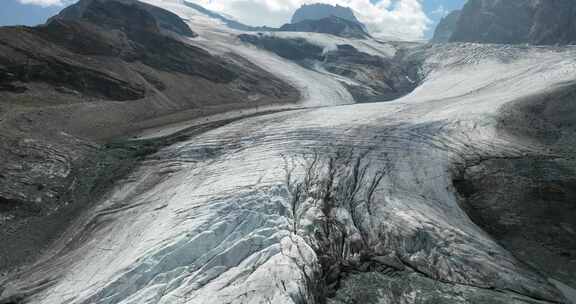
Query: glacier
(314, 202)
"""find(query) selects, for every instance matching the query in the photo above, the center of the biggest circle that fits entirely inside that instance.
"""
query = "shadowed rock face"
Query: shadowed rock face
(382, 79)
(377, 78)
(446, 27)
(529, 203)
(23, 61)
(537, 22)
(292, 49)
(492, 21)
(330, 25)
(328, 19)
(130, 15)
(320, 11)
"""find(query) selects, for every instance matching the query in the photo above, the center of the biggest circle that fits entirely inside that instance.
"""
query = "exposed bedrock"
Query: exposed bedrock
(529, 203)
(367, 77)
(319, 11)
(538, 22)
(132, 16)
(330, 25)
(296, 49)
(378, 78)
(325, 18)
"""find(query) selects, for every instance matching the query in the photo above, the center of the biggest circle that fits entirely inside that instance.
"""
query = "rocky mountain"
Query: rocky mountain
(340, 22)
(328, 19)
(446, 27)
(538, 22)
(114, 15)
(330, 25)
(320, 11)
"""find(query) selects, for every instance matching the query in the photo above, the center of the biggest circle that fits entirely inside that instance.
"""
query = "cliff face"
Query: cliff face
(330, 25)
(539, 22)
(320, 11)
(555, 23)
(127, 13)
(446, 27)
(324, 18)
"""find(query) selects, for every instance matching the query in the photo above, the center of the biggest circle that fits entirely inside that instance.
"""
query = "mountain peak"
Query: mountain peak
(330, 25)
(319, 11)
(131, 15)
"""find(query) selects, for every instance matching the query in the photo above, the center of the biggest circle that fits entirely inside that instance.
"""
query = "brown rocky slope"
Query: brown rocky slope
(99, 71)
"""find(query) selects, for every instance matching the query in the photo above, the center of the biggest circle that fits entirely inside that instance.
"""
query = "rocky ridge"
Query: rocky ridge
(330, 25)
(319, 11)
(537, 22)
(373, 78)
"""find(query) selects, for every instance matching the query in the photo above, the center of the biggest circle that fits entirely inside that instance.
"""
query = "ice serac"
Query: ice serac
(537, 22)
(446, 27)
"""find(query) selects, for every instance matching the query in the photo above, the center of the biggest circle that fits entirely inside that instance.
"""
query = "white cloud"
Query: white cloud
(44, 3)
(403, 19)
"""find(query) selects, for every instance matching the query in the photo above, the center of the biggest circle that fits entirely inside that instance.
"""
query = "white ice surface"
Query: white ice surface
(569, 292)
(316, 89)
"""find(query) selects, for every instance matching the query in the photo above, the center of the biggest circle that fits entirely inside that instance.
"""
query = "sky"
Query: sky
(403, 19)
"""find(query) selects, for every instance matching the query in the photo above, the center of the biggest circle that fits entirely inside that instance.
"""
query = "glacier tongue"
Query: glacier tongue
(273, 209)
(316, 89)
